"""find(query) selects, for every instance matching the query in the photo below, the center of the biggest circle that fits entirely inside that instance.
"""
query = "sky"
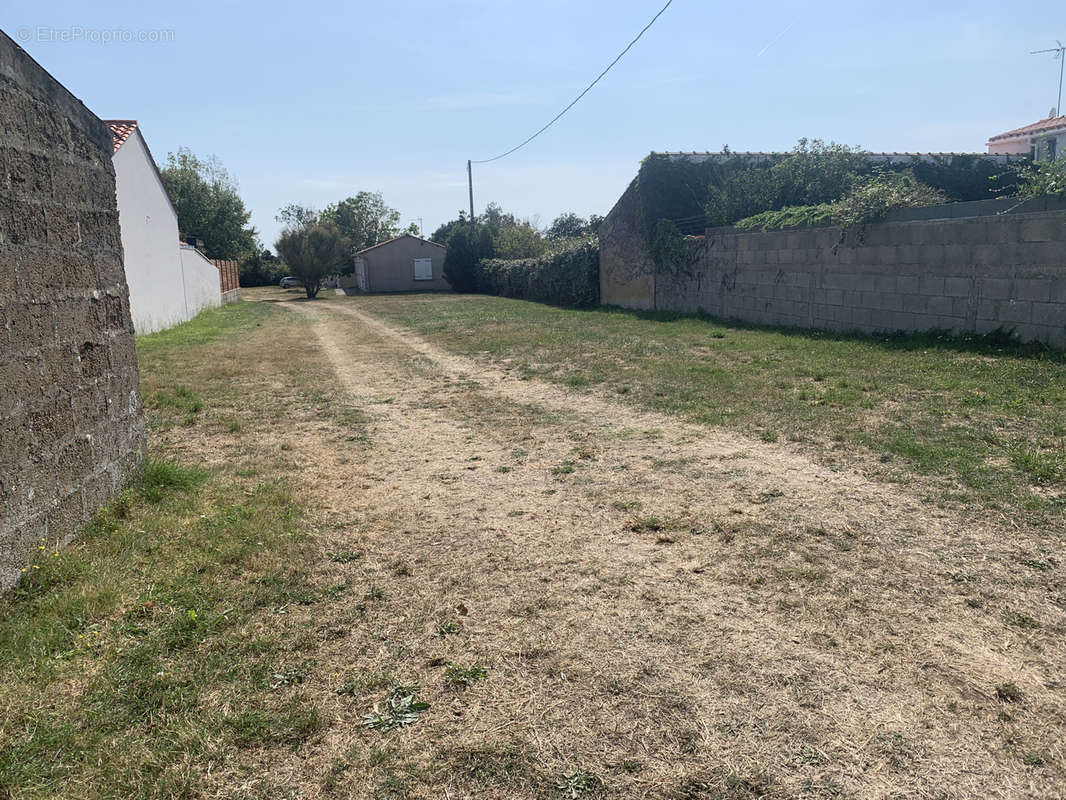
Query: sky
(312, 102)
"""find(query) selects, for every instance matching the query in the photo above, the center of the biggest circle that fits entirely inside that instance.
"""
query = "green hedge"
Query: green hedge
(567, 276)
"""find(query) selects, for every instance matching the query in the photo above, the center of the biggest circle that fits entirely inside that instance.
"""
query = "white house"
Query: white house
(167, 285)
(1043, 141)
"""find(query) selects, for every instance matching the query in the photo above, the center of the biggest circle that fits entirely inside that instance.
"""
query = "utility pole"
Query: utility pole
(1060, 54)
(470, 181)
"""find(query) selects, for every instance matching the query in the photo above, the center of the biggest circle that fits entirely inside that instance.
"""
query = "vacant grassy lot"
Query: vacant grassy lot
(981, 421)
(358, 566)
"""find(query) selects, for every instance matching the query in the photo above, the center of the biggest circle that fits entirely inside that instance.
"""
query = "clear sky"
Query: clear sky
(311, 102)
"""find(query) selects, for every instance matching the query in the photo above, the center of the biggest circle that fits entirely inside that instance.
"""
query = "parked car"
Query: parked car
(289, 281)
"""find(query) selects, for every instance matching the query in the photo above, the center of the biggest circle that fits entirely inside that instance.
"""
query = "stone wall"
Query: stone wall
(71, 428)
(963, 274)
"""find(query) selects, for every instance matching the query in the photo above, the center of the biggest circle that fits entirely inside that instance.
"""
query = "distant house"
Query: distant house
(1043, 141)
(404, 264)
(167, 284)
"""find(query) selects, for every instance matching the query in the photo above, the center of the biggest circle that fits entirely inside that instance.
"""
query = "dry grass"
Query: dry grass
(674, 614)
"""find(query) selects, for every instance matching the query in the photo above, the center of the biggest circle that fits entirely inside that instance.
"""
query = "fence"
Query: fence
(229, 279)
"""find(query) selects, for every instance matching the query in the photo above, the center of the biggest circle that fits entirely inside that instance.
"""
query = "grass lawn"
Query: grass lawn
(980, 421)
(149, 647)
(348, 569)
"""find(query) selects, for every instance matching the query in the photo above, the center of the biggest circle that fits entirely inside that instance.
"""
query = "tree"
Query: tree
(466, 247)
(521, 240)
(813, 172)
(569, 225)
(366, 220)
(261, 268)
(1047, 178)
(312, 252)
(295, 214)
(209, 205)
(566, 226)
(445, 231)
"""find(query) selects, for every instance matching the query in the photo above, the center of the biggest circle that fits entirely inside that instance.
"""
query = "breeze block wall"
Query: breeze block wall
(965, 268)
(71, 424)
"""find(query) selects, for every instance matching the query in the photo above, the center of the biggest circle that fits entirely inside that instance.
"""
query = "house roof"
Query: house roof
(396, 239)
(120, 130)
(1049, 124)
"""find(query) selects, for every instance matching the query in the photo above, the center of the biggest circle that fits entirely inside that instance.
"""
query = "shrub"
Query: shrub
(1046, 178)
(870, 198)
(312, 252)
(569, 275)
(465, 249)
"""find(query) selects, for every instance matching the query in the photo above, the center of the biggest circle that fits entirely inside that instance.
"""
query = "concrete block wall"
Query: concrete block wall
(974, 274)
(71, 425)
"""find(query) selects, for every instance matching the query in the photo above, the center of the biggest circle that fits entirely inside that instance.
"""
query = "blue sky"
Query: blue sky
(311, 102)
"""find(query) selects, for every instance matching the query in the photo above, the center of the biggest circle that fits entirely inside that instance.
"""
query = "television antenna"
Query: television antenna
(1060, 54)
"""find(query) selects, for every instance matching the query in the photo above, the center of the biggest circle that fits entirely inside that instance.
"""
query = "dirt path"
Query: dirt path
(679, 612)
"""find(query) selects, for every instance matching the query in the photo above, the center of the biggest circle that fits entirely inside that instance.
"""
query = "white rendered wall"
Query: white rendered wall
(149, 230)
(202, 287)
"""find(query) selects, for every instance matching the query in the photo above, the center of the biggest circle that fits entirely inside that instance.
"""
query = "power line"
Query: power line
(587, 89)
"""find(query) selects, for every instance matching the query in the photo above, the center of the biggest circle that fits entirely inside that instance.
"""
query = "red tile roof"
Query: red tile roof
(1051, 123)
(121, 129)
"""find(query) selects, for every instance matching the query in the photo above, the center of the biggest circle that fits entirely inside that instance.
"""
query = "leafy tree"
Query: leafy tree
(312, 252)
(569, 226)
(261, 268)
(209, 205)
(522, 240)
(813, 172)
(296, 215)
(497, 234)
(366, 220)
(466, 247)
(445, 231)
(1045, 178)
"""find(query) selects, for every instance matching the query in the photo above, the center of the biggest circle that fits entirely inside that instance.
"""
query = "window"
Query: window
(423, 269)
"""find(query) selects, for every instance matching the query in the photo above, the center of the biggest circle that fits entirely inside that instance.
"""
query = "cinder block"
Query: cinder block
(939, 306)
(1058, 290)
(1016, 312)
(1051, 314)
(931, 256)
(950, 323)
(884, 283)
(1035, 289)
(892, 301)
(1039, 230)
(994, 288)
(931, 284)
(908, 284)
(908, 254)
(992, 255)
(913, 303)
(955, 287)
